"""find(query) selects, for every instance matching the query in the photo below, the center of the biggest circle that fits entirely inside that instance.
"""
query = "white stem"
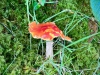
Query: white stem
(49, 49)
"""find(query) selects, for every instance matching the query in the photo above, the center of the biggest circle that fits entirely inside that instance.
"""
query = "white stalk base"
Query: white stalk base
(49, 49)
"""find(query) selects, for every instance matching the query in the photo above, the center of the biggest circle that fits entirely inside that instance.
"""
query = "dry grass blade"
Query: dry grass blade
(93, 28)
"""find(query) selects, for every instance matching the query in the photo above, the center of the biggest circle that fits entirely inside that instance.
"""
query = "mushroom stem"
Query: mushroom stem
(49, 49)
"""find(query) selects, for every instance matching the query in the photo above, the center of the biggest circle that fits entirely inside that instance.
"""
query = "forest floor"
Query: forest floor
(20, 54)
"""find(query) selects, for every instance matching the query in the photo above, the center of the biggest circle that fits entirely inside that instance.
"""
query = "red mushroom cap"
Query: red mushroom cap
(46, 31)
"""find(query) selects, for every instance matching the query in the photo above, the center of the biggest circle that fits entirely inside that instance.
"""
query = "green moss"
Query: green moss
(18, 59)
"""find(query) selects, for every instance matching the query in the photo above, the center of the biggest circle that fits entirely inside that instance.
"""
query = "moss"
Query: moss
(18, 59)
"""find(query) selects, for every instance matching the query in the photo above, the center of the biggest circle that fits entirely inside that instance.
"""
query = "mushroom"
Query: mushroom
(47, 31)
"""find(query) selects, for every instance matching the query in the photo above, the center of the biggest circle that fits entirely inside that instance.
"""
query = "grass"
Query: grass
(21, 54)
